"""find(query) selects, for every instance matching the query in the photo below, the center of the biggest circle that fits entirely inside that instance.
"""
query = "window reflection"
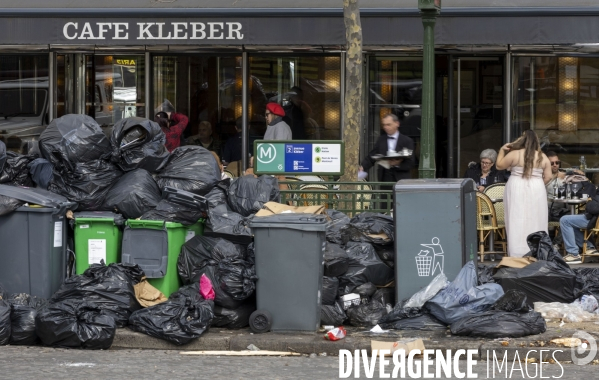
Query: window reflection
(308, 88)
(557, 97)
(207, 90)
(23, 99)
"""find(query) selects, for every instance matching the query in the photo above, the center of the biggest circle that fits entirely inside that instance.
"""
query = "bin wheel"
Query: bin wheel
(260, 321)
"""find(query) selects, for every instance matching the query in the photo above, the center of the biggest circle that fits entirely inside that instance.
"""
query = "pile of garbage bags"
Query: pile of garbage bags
(356, 287)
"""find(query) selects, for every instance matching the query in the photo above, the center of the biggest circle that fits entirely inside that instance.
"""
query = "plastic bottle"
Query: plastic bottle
(555, 189)
(568, 191)
(583, 163)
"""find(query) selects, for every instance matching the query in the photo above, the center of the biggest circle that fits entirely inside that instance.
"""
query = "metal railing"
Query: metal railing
(350, 198)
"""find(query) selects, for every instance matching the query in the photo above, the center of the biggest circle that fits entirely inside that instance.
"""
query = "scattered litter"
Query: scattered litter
(251, 347)
(567, 342)
(337, 333)
(377, 329)
(407, 345)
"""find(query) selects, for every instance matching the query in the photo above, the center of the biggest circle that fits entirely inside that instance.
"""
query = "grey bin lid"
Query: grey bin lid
(303, 222)
(35, 195)
(438, 184)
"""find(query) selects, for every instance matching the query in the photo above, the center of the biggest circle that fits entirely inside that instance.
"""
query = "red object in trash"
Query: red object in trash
(337, 333)
(206, 289)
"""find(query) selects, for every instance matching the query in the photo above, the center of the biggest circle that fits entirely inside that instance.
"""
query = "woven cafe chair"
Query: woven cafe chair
(486, 223)
(362, 200)
(229, 174)
(311, 199)
(496, 191)
(588, 234)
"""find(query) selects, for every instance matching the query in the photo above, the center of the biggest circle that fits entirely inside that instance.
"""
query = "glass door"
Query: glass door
(478, 101)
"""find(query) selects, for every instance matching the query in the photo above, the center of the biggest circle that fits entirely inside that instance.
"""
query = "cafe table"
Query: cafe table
(572, 203)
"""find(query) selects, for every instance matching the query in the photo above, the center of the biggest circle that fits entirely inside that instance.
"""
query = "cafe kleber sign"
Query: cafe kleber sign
(217, 30)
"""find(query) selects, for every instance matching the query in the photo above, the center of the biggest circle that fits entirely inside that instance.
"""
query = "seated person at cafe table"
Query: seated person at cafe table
(485, 173)
(573, 237)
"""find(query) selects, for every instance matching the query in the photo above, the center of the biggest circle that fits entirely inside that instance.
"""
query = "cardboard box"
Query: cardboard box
(406, 345)
(515, 262)
(273, 208)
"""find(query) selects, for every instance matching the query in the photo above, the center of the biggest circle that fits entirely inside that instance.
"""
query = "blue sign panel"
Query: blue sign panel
(298, 158)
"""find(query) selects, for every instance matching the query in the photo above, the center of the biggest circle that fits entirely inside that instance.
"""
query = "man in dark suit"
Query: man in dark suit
(390, 140)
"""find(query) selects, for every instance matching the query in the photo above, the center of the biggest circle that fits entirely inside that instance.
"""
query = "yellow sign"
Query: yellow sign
(125, 62)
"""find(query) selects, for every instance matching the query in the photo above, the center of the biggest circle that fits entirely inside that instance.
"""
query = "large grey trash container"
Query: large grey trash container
(435, 230)
(289, 250)
(33, 242)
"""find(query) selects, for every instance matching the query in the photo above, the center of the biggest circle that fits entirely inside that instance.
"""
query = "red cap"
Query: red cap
(276, 109)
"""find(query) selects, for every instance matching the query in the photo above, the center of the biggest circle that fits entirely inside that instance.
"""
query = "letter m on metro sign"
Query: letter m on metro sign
(270, 158)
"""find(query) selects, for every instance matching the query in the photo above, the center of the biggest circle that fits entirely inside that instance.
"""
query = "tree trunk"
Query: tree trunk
(353, 89)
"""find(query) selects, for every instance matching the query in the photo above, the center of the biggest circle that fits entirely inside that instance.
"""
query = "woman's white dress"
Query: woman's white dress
(526, 210)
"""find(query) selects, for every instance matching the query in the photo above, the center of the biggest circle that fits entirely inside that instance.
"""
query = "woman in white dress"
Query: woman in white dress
(525, 196)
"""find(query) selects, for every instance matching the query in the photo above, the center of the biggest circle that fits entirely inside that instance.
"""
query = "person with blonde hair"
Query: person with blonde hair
(525, 197)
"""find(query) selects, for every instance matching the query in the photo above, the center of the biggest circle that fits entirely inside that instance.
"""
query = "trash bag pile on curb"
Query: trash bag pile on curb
(353, 269)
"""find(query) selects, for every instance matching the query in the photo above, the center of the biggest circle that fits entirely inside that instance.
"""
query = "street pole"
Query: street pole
(429, 9)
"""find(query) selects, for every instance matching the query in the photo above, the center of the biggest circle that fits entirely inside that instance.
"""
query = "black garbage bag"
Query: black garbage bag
(541, 248)
(402, 312)
(485, 274)
(87, 184)
(75, 324)
(365, 290)
(386, 296)
(72, 139)
(222, 262)
(423, 322)
(386, 253)
(16, 170)
(590, 280)
(190, 168)
(247, 195)
(367, 226)
(336, 260)
(5, 325)
(364, 266)
(332, 315)
(338, 221)
(134, 194)
(366, 315)
(2, 155)
(41, 171)
(174, 212)
(222, 222)
(138, 143)
(233, 318)
(250, 254)
(109, 287)
(218, 194)
(329, 290)
(8, 204)
(24, 308)
(237, 278)
(542, 281)
(500, 324)
(177, 321)
(512, 300)
(462, 297)
(201, 251)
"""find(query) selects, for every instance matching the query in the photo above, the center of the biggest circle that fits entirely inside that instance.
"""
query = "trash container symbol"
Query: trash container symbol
(423, 263)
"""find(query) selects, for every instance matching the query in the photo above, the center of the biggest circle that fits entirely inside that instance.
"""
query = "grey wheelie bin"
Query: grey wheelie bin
(289, 251)
(33, 238)
(435, 230)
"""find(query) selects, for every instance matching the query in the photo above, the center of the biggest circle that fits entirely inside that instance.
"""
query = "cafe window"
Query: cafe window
(205, 89)
(308, 88)
(558, 98)
(23, 97)
(115, 87)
